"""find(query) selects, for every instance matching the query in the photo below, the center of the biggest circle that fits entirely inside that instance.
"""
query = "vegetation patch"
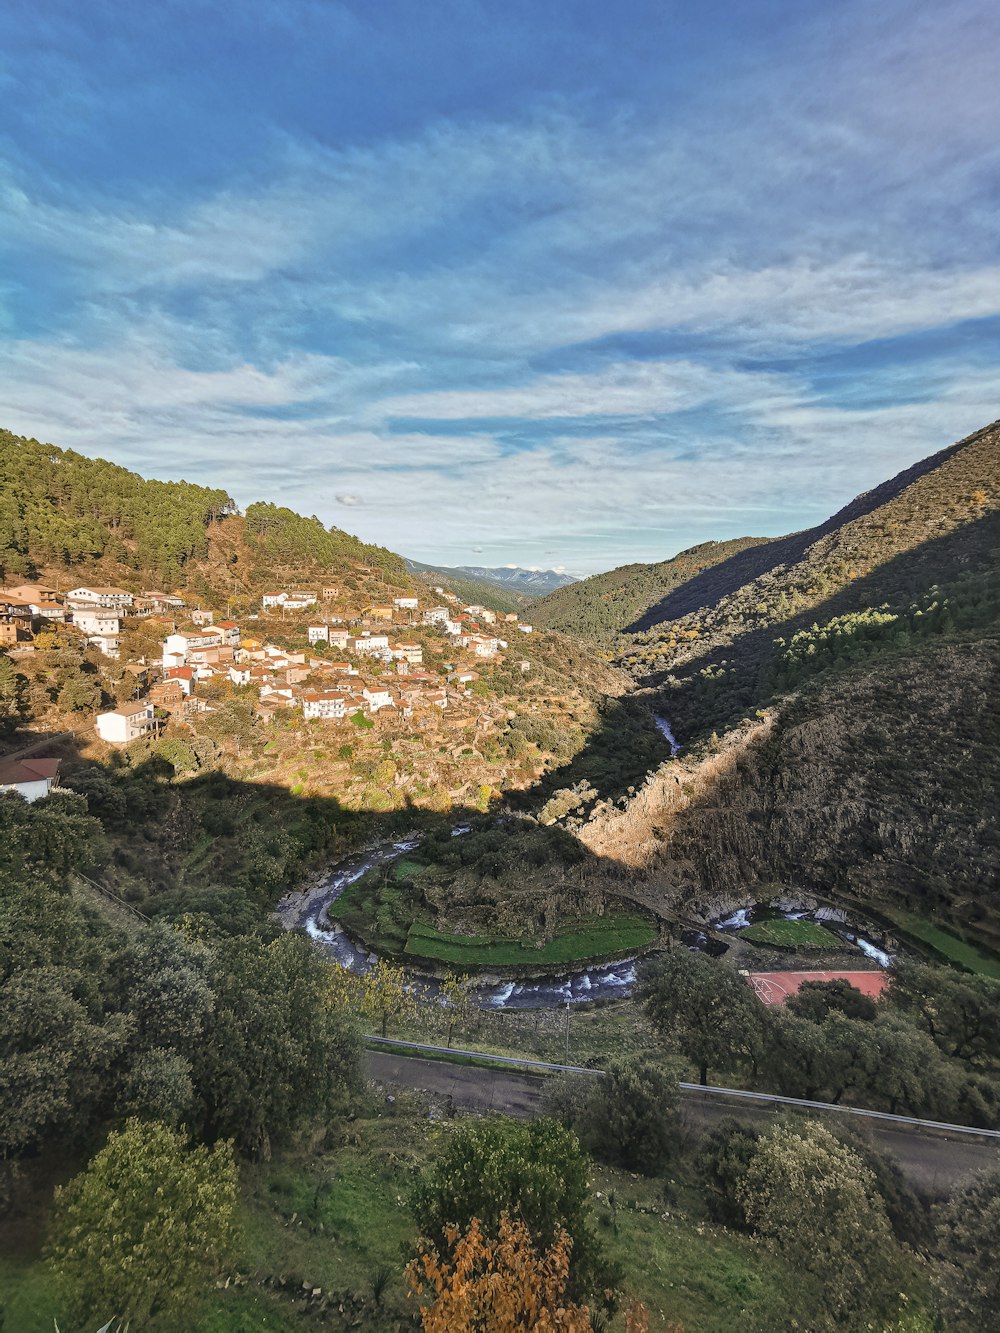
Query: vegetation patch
(791, 935)
(589, 938)
(949, 946)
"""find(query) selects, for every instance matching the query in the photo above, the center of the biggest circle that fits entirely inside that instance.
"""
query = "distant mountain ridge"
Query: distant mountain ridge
(888, 520)
(531, 582)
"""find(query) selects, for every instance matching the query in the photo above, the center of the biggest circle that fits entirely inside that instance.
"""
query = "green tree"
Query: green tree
(457, 999)
(961, 1014)
(56, 1056)
(275, 1053)
(80, 694)
(705, 1008)
(968, 1239)
(628, 1118)
(723, 1157)
(143, 1230)
(812, 1200)
(13, 696)
(815, 999)
(536, 1172)
(387, 992)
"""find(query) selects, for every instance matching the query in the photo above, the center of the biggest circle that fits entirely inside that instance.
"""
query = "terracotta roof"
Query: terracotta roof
(13, 771)
(130, 710)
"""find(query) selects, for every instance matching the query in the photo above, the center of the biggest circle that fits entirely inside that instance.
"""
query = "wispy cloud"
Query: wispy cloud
(576, 327)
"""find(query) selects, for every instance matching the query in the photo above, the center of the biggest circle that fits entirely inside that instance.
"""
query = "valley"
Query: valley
(757, 782)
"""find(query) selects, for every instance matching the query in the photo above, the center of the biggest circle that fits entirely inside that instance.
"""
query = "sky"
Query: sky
(563, 285)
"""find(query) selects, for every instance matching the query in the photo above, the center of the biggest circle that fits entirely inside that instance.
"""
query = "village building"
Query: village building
(100, 596)
(168, 695)
(201, 617)
(177, 646)
(369, 645)
(30, 778)
(183, 677)
(377, 695)
(97, 620)
(126, 723)
(46, 602)
(325, 704)
(318, 633)
(406, 603)
(16, 618)
(163, 600)
(408, 652)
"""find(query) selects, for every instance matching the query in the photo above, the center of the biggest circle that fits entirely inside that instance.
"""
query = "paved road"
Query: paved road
(931, 1162)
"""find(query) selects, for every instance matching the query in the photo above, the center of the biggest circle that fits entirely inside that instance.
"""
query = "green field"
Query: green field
(588, 938)
(949, 946)
(791, 935)
(335, 1219)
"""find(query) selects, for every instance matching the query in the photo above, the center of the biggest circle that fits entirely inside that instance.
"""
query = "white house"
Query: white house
(408, 652)
(229, 631)
(483, 645)
(319, 633)
(126, 723)
(101, 596)
(452, 627)
(378, 696)
(405, 603)
(272, 599)
(526, 629)
(240, 675)
(435, 615)
(97, 619)
(177, 646)
(30, 778)
(323, 704)
(369, 645)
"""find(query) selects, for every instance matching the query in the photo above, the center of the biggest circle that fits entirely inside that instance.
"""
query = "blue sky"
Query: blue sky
(563, 284)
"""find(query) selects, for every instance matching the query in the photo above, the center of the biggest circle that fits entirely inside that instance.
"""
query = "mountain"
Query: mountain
(837, 696)
(600, 607)
(62, 513)
(534, 582)
(938, 492)
(530, 582)
(471, 591)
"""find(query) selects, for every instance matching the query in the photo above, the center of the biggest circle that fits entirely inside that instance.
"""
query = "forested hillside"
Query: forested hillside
(60, 511)
(838, 711)
(604, 605)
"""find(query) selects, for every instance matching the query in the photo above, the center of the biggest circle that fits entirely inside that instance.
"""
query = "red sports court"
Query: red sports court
(775, 987)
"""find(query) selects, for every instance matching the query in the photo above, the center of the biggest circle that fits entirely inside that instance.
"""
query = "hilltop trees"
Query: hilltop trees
(61, 508)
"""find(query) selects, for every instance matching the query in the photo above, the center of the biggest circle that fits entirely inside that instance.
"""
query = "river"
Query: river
(307, 911)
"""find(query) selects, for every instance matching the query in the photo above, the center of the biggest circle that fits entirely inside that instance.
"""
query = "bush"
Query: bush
(722, 1160)
(536, 1172)
(628, 1118)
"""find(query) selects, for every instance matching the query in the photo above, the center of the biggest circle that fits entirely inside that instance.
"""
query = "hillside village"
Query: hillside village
(349, 662)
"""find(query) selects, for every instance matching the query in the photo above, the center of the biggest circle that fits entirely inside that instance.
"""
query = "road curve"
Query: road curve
(932, 1162)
